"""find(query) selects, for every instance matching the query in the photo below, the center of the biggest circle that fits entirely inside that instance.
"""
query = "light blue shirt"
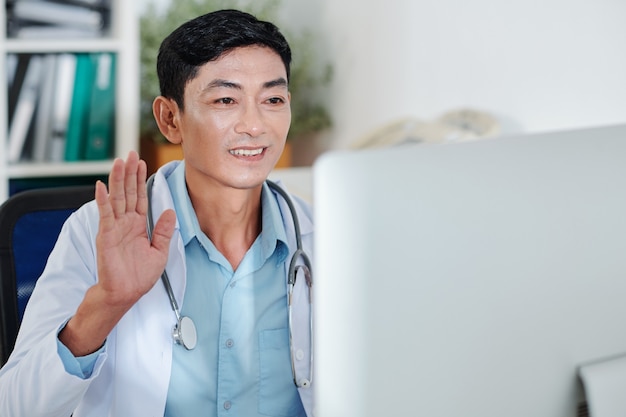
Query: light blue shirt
(241, 365)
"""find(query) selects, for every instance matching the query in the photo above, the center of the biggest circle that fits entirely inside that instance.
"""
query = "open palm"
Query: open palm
(129, 264)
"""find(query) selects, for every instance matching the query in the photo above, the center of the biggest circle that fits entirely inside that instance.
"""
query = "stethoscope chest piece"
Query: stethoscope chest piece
(185, 333)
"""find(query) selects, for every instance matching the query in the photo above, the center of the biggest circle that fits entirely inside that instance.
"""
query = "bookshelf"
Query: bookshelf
(121, 41)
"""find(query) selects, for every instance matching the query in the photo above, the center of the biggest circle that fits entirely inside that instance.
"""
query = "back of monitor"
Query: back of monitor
(469, 279)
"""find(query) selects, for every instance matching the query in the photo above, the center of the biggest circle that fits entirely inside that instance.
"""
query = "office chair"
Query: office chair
(30, 222)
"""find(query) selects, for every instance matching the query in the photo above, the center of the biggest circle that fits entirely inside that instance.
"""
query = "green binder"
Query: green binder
(101, 126)
(81, 102)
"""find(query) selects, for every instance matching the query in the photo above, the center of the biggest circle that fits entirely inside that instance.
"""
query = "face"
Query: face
(236, 118)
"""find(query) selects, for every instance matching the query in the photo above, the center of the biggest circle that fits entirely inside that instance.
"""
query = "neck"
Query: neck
(231, 218)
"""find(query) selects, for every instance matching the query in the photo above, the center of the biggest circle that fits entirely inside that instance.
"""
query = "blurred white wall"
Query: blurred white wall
(536, 65)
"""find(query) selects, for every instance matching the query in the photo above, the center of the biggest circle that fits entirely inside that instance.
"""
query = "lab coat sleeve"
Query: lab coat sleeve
(34, 382)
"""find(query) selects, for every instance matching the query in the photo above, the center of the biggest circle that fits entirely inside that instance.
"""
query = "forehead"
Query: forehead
(246, 63)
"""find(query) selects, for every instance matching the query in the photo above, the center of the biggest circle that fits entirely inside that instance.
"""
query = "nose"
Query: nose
(250, 121)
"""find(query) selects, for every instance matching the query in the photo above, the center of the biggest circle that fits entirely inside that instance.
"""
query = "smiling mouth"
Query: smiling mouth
(246, 152)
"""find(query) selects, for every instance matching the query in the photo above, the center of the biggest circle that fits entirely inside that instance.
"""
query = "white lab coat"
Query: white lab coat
(131, 377)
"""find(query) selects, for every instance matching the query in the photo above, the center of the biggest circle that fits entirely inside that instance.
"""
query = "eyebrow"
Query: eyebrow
(279, 82)
(218, 83)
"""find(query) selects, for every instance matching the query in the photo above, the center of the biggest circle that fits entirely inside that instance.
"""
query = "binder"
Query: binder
(65, 73)
(101, 126)
(79, 112)
(25, 109)
(17, 80)
(43, 125)
(57, 14)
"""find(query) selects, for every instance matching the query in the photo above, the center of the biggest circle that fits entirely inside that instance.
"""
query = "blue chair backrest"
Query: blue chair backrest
(30, 254)
(30, 223)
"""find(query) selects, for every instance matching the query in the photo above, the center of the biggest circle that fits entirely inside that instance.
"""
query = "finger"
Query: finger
(142, 195)
(117, 195)
(163, 231)
(130, 181)
(107, 218)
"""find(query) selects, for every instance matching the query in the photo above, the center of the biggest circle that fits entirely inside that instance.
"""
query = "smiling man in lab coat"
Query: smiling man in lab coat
(96, 339)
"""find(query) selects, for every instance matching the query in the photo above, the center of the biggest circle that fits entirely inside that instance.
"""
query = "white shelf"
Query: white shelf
(45, 46)
(61, 169)
(123, 40)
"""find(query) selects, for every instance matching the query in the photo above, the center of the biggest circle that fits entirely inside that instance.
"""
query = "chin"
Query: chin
(248, 182)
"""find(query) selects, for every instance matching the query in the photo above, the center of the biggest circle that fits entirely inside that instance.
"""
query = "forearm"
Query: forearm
(95, 317)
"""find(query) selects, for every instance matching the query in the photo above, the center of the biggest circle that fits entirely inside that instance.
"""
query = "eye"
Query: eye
(276, 100)
(225, 100)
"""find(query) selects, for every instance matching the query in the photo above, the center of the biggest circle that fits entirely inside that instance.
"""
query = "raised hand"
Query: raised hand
(129, 264)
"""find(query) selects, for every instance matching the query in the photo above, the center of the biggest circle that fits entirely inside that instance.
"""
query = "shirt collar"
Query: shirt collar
(273, 237)
(182, 203)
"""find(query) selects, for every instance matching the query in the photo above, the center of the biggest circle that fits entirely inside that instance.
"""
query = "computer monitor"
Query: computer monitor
(469, 279)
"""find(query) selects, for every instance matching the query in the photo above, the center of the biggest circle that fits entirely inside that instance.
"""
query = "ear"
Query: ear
(166, 114)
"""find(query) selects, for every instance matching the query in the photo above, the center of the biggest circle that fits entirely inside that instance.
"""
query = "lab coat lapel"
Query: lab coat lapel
(161, 201)
(145, 333)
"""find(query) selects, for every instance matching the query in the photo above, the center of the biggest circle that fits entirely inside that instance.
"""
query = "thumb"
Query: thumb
(163, 231)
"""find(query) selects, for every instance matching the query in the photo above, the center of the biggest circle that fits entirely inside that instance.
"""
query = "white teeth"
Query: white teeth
(246, 152)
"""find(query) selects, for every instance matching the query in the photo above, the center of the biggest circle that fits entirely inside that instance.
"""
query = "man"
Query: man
(96, 339)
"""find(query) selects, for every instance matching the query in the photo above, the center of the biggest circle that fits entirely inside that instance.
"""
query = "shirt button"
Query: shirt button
(230, 343)
(299, 354)
(227, 405)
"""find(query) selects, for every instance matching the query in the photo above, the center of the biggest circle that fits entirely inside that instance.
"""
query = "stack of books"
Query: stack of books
(61, 106)
(58, 19)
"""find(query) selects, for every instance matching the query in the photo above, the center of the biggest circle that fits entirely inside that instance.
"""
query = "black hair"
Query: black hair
(208, 37)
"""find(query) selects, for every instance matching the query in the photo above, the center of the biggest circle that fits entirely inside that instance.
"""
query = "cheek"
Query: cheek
(216, 122)
(280, 123)
(202, 130)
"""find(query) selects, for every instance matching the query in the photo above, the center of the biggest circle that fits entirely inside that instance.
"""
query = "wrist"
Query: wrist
(95, 317)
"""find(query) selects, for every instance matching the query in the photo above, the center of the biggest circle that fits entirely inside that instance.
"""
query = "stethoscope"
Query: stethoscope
(184, 332)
